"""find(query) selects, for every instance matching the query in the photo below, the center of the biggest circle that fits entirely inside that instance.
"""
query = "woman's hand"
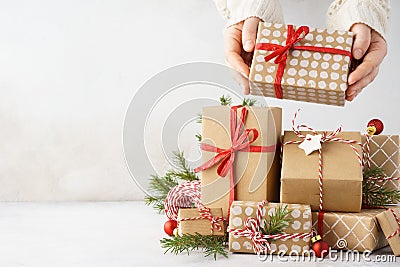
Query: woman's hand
(239, 43)
(371, 48)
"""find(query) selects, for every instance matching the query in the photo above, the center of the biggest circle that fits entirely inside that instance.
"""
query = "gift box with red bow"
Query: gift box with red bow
(240, 155)
(301, 63)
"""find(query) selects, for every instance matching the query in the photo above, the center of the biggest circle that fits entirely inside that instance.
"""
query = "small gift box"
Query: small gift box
(322, 169)
(301, 63)
(249, 220)
(351, 231)
(203, 220)
(390, 222)
(239, 155)
(383, 151)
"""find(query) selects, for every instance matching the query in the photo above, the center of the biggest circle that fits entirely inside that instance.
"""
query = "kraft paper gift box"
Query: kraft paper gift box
(191, 221)
(306, 75)
(390, 223)
(253, 175)
(384, 152)
(299, 222)
(352, 231)
(342, 174)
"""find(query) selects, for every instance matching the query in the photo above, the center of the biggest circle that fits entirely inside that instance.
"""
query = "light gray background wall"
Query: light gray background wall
(68, 70)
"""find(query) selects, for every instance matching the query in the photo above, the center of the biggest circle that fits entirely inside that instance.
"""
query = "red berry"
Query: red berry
(169, 227)
(321, 249)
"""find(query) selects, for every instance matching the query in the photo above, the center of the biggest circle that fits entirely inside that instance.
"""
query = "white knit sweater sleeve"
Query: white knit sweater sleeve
(235, 11)
(342, 14)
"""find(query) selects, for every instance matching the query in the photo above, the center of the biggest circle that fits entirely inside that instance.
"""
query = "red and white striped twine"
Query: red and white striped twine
(367, 151)
(331, 137)
(397, 232)
(205, 214)
(259, 240)
(185, 195)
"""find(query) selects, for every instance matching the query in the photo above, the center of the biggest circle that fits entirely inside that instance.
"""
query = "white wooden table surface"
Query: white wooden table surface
(116, 234)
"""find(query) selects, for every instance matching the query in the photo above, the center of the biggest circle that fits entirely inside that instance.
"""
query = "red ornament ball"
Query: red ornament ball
(321, 249)
(169, 227)
(375, 127)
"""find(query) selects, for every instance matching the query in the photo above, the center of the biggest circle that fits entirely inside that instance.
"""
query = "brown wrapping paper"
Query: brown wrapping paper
(308, 76)
(256, 174)
(385, 154)
(389, 225)
(201, 226)
(300, 222)
(352, 231)
(342, 175)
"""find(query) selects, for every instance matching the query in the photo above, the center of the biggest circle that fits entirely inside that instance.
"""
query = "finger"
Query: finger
(243, 82)
(233, 48)
(236, 62)
(362, 39)
(357, 88)
(360, 72)
(374, 57)
(249, 33)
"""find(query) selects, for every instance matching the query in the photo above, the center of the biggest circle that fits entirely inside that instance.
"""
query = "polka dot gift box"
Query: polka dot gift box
(301, 63)
(299, 223)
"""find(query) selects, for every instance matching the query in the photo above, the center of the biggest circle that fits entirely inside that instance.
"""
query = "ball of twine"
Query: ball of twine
(185, 195)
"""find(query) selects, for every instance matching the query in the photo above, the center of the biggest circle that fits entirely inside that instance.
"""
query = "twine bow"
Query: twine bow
(241, 140)
(260, 241)
(280, 52)
(397, 232)
(331, 137)
(205, 214)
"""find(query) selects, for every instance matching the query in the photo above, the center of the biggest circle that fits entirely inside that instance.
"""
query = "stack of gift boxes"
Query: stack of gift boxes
(250, 170)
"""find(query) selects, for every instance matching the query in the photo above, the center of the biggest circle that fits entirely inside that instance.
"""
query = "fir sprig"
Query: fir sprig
(199, 118)
(209, 244)
(225, 100)
(277, 222)
(375, 195)
(161, 185)
(249, 102)
(199, 137)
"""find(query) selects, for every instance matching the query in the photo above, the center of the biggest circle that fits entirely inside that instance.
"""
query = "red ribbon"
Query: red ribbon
(241, 140)
(280, 52)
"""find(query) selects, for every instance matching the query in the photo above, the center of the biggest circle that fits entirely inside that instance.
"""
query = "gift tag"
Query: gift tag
(311, 143)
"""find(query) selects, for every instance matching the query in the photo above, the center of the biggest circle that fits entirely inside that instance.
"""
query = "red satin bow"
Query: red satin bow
(280, 52)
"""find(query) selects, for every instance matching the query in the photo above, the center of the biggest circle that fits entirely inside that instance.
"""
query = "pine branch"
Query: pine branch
(183, 171)
(209, 244)
(249, 102)
(160, 185)
(277, 222)
(199, 118)
(375, 195)
(199, 137)
(225, 100)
